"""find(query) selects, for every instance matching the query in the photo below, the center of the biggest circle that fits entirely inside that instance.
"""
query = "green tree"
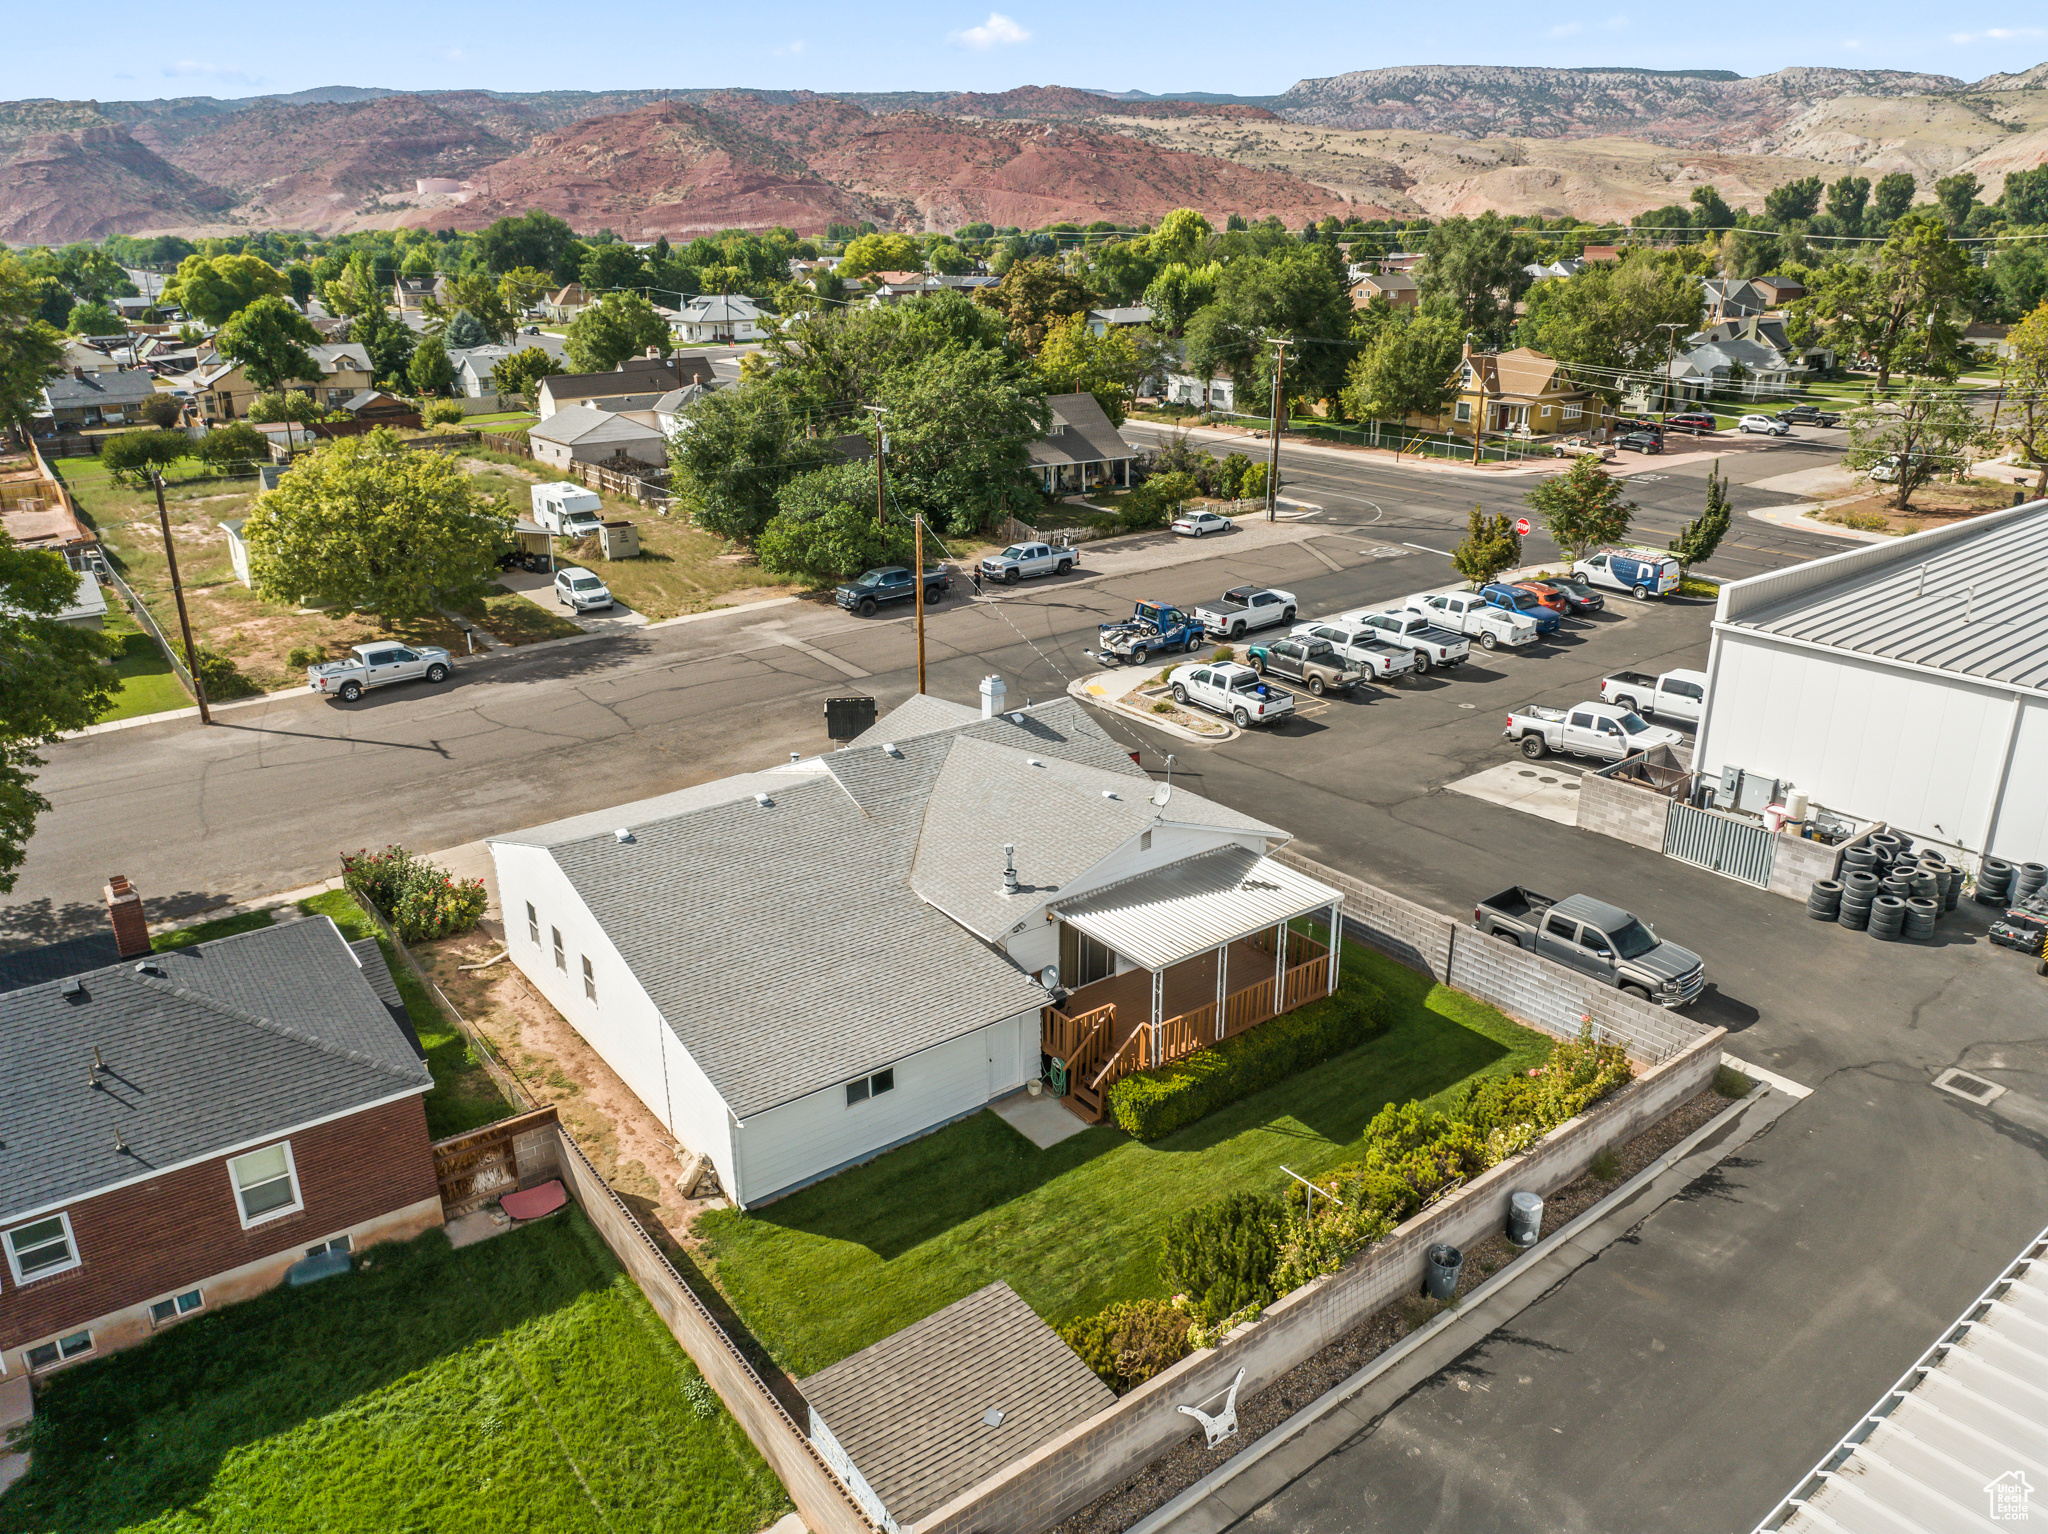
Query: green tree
(1697, 539)
(616, 327)
(389, 341)
(1893, 196)
(1121, 271)
(537, 240)
(1710, 210)
(2025, 198)
(1472, 273)
(1610, 319)
(1794, 202)
(1074, 360)
(613, 266)
(31, 349)
(1955, 195)
(1921, 273)
(1406, 370)
(475, 295)
(1847, 199)
(1916, 437)
(943, 256)
(292, 405)
(95, 319)
(1179, 292)
(1490, 545)
(268, 337)
(300, 277)
(1294, 292)
(91, 275)
(365, 524)
(161, 410)
(216, 288)
(522, 372)
(53, 679)
(961, 422)
(881, 253)
(1582, 506)
(737, 452)
(523, 287)
(418, 262)
(2028, 375)
(464, 332)
(824, 527)
(430, 371)
(232, 447)
(136, 455)
(1183, 236)
(1033, 297)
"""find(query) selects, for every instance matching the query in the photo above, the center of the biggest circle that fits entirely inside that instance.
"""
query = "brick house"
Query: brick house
(186, 1126)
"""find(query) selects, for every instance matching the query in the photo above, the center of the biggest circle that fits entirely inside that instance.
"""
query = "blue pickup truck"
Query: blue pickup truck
(1516, 600)
(1153, 628)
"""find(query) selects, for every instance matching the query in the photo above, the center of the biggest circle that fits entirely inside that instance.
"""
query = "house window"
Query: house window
(561, 957)
(1464, 410)
(589, 981)
(338, 1244)
(1573, 412)
(56, 1352)
(1546, 412)
(266, 1183)
(870, 1086)
(41, 1248)
(177, 1305)
(532, 924)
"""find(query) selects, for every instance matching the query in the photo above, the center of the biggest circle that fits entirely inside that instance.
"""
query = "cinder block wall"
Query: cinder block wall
(1036, 1492)
(1797, 862)
(1626, 811)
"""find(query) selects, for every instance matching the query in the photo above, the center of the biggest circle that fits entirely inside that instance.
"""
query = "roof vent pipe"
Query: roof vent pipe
(1009, 867)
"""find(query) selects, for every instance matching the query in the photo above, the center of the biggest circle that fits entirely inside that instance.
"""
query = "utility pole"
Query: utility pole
(917, 577)
(163, 519)
(1273, 459)
(1670, 329)
(881, 450)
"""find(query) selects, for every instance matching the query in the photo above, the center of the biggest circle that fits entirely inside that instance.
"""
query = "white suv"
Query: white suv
(579, 591)
(1768, 425)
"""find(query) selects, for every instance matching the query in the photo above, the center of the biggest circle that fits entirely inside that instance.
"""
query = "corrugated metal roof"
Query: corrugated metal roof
(1961, 1441)
(1173, 913)
(1972, 600)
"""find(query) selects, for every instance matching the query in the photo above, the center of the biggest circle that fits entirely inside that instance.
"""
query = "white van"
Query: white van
(568, 510)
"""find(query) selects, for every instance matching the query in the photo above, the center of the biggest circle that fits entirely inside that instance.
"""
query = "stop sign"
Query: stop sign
(1521, 527)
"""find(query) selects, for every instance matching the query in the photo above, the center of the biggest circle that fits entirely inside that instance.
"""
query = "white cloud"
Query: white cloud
(1997, 35)
(790, 49)
(455, 55)
(1615, 23)
(1567, 29)
(1852, 43)
(998, 29)
(186, 68)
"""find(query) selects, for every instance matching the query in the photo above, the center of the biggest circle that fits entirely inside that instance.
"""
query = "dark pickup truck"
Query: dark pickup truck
(891, 583)
(1808, 415)
(1601, 940)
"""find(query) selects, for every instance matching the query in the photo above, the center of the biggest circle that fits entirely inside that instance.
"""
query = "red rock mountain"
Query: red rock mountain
(81, 183)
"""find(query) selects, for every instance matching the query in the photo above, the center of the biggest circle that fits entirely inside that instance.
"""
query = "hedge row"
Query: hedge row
(1149, 1104)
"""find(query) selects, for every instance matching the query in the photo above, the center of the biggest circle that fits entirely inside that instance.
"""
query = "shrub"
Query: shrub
(442, 412)
(136, 455)
(1127, 1343)
(1223, 653)
(1253, 486)
(306, 655)
(1729, 1082)
(235, 445)
(1162, 707)
(1221, 1254)
(1148, 1104)
(422, 901)
(219, 675)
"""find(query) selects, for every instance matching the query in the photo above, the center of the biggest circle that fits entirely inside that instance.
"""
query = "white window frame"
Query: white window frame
(1464, 412)
(178, 1311)
(561, 953)
(533, 924)
(589, 980)
(291, 1170)
(14, 1263)
(29, 1363)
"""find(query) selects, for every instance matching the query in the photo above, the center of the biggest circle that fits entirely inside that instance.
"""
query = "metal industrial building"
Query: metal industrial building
(1903, 681)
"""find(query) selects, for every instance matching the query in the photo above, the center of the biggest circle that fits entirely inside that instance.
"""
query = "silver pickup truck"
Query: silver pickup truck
(1601, 940)
(375, 665)
(1362, 645)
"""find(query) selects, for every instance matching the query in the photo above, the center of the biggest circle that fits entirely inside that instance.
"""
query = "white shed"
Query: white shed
(1904, 681)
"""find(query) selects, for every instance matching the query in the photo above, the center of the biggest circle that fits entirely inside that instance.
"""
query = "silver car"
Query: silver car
(1770, 426)
(579, 591)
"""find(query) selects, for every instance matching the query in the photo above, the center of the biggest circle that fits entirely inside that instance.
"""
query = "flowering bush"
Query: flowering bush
(421, 900)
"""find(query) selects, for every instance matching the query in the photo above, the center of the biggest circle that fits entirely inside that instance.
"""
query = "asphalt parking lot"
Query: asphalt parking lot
(1689, 1377)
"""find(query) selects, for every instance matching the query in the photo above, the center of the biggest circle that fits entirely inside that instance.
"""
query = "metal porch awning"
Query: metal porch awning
(1159, 918)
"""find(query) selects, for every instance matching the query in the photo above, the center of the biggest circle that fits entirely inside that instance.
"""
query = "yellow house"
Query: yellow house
(224, 393)
(1521, 391)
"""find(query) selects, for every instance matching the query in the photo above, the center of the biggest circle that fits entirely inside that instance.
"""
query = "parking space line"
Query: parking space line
(1768, 1078)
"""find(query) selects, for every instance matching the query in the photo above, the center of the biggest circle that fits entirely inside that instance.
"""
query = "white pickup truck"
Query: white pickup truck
(1224, 687)
(1363, 647)
(1590, 729)
(1244, 608)
(1021, 560)
(1674, 695)
(1470, 614)
(375, 665)
(1430, 645)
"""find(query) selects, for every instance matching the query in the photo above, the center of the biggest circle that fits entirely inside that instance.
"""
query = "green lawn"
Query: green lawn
(827, 1271)
(522, 1384)
(513, 619)
(148, 684)
(464, 1096)
(207, 931)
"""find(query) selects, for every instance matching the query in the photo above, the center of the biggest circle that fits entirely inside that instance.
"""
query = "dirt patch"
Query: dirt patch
(1180, 1467)
(1156, 703)
(1933, 506)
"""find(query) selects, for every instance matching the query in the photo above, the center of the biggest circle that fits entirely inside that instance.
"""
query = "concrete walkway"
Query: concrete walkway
(540, 591)
(1041, 1120)
(1544, 788)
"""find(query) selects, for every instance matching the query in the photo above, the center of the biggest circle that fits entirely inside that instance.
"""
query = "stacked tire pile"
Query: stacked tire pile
(2020, 891)
(1888, 891)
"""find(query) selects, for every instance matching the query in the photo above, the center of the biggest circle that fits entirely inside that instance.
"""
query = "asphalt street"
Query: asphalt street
(1684, 1380)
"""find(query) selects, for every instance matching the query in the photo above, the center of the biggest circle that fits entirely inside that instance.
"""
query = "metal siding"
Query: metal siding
(2021, 833)
(1160, 918)
(1725, 844)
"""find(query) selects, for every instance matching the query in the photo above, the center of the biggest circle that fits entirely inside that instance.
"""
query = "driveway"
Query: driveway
(540, 590)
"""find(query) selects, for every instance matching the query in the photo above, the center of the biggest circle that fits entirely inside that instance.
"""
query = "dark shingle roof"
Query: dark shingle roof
(910, 1411)
(1080, 433)
(645, 376)
(102, 389)
(238, 1039)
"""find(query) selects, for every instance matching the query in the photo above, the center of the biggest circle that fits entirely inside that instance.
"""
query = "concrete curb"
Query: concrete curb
(1078, 688)
(1802, 518)
(1448, 1336)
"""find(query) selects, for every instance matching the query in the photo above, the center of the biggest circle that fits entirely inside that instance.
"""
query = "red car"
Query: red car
(1547, 594)
(1698, 422)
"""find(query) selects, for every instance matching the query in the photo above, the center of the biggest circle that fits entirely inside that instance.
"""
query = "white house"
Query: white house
(590, 433)
(718, 317)
(799, 968)
(1903, 681)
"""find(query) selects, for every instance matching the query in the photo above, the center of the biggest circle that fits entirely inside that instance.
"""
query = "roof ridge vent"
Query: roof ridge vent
(763, 800)
(624, 834)
(152, 967)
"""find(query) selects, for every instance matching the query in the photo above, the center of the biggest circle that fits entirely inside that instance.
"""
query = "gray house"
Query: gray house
(587, 433)
(1080, 449)
(106, 398)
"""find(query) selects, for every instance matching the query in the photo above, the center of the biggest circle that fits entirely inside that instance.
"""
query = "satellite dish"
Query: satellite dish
(1161, 794)
(1049, 977)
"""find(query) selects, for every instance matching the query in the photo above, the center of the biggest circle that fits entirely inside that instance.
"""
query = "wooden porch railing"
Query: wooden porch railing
(1083, 1042)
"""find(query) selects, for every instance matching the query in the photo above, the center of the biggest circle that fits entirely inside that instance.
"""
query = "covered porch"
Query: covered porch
(1174, 960)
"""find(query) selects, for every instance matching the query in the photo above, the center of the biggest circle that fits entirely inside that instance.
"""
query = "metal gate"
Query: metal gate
(1727, 844)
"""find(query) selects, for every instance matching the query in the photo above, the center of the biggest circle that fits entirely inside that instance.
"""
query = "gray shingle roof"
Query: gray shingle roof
(582, 424)
(909, 1411)
(645, 376)
(240, 1038)
(103, 389)
(1080, 433)
(920, 714)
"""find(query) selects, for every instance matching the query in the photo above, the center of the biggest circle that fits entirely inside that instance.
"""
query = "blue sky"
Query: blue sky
(241, 48)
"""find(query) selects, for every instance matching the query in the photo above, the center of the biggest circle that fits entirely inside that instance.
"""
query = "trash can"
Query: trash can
(1525, 1218)
(1440, 1275)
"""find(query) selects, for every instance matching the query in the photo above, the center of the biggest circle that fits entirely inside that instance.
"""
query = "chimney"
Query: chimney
(124, 909)
(78, 373)
(991, 696)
